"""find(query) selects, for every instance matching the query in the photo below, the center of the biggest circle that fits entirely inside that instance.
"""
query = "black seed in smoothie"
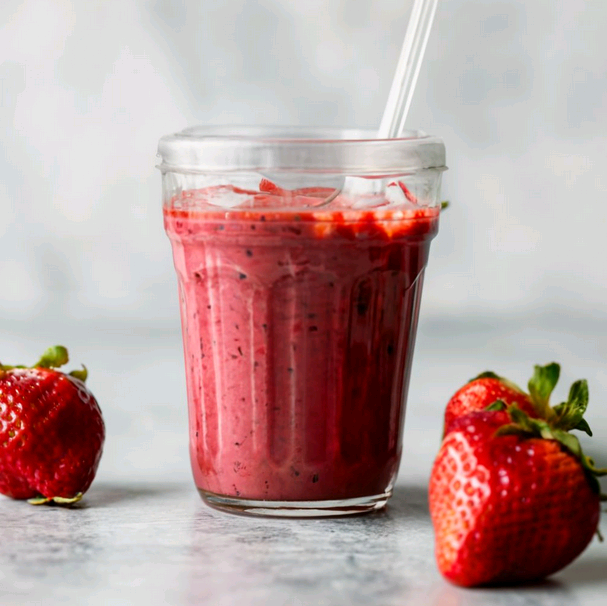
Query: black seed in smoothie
(363, 299)
(262, 218)
(198, 276)
(290, 370)
(255, 364)
(208, 307)
(311, 316)
(220, 227)
(295, 472)
(242, 276)
(240, 350)
(237, 327)
(390, 349)
(264, 326)
(313, 329)
(315, 478)
(249, 253)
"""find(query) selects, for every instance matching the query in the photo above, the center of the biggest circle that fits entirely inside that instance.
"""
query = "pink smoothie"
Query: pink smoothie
(299, 329)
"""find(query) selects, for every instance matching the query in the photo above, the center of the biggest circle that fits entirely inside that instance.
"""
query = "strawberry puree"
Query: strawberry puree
(299, 330)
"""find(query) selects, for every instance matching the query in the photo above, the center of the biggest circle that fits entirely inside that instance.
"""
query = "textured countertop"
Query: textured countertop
(143, 536)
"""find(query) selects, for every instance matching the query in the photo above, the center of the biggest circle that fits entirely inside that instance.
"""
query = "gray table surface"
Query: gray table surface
(143, 536)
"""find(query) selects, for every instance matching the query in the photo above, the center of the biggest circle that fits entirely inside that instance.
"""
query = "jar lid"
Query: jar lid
(291, 149)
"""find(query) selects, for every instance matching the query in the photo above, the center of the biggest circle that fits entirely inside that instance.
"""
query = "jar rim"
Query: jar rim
(221, 149)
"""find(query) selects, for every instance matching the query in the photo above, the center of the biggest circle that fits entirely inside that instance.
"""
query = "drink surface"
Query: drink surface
(299, 326)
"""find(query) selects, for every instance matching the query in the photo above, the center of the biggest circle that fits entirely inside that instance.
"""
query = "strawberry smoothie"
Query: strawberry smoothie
(299, 328)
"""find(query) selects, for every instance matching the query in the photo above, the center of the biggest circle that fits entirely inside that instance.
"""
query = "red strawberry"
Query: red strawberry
(483, 391)
(512, 498)
(51, 431)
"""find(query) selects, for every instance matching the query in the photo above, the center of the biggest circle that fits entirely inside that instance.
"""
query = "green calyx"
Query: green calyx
(552, 422)
(567, 415)
(54, 357)
(65, 501)
(523, 425)
(498, 405)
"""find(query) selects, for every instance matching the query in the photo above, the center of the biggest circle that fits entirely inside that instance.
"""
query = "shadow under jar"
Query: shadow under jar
(300, 258)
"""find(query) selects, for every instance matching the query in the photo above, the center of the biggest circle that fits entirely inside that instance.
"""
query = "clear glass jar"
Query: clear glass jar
(300, 258)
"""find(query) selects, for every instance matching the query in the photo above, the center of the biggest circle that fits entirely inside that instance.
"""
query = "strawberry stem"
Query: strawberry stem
(541, 385)
(53, 357)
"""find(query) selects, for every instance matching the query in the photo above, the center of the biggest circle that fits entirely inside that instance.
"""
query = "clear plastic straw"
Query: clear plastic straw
(403, 85)
(410, 61)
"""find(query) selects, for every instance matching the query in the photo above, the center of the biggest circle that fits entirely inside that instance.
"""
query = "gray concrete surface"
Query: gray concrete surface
(143, 536)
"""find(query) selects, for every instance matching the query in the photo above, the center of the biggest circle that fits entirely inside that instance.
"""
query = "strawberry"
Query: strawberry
(513, 498)
(481, 392)
(51, 431)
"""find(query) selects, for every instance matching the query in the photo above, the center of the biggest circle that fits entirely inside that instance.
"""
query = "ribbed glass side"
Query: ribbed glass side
(298, 349)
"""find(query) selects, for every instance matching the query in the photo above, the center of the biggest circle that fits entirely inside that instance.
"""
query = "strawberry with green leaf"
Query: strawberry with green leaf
(51, 431)
(481, 392)
(513, 498)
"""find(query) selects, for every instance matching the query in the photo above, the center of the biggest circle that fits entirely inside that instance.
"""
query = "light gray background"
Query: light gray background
(518, 91)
